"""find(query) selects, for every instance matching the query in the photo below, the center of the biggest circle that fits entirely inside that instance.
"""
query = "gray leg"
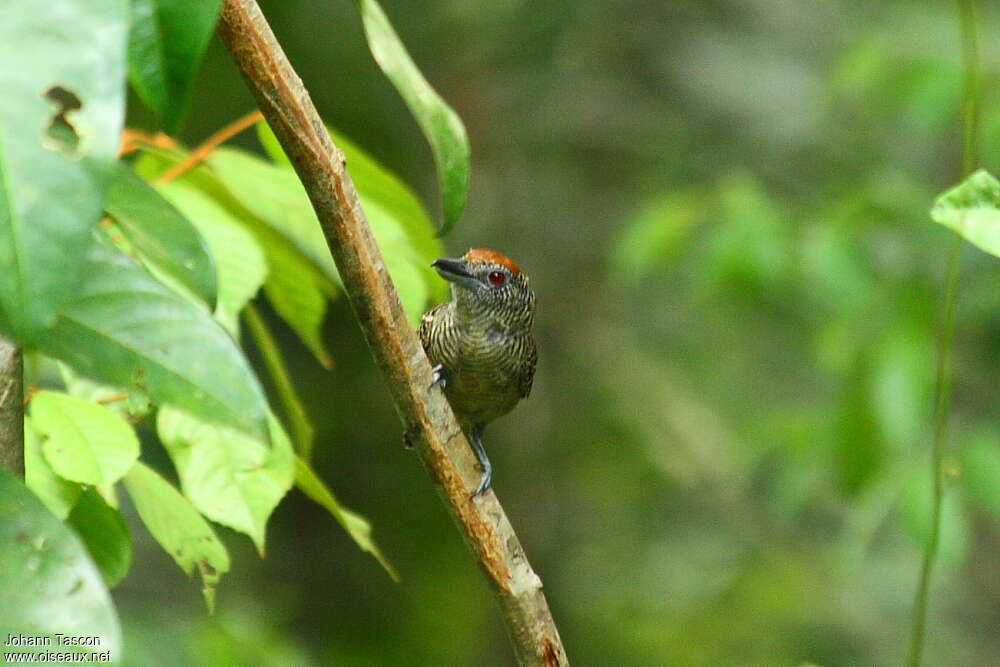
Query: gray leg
(477, 444)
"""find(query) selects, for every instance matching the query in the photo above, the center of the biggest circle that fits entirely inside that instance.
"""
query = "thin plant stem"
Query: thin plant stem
(202, 152)
(302, 430)
(942, 402)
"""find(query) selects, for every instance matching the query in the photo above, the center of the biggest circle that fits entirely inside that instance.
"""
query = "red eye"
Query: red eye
(497, 278)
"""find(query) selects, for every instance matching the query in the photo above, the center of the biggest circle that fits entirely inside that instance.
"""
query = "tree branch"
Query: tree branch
(11, 408)
(425, 413)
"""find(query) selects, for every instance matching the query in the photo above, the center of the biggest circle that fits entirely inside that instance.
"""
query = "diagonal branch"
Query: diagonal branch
(426, 415)
(11, 409)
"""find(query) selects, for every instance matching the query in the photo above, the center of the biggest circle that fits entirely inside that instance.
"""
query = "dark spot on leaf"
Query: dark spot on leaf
(76, 587)
(60, 132)
(22, 537)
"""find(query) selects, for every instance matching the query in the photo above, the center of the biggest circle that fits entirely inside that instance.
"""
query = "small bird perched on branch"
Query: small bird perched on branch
(480, 342)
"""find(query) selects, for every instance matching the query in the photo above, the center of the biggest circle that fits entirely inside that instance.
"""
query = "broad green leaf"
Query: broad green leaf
(166, 44)
(377, 184)
(132, 405)
(275, 195)
(102, 529)
(440, 124)
(232, 479)
(83, 442)
(161, 234)
(60, 123)
(297, 288)
(126, 329)
(408, 276)
(58, 494)
(238, 257)
(48, 584)
(356, 526)
(972, 208)
(299, 293)
(178, 527)
(981, 471)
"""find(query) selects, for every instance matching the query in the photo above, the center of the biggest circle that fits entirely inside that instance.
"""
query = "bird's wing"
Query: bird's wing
(528, 374)
(425, 325)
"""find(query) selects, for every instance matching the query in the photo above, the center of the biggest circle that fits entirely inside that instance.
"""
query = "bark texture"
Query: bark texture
(11, 408)
(427, 418)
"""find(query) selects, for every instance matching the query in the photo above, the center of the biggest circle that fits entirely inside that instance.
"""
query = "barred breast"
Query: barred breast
(486, 371)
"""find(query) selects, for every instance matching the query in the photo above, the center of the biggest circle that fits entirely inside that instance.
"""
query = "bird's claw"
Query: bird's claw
(439, 379)
(476, 439)
(484, 483)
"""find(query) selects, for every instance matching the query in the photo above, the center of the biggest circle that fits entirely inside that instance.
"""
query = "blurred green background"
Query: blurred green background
(723, 210)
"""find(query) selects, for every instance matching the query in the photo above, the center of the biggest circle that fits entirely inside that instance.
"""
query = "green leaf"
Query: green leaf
(102, 529)
(302, 430)
(981, 471)
(48, 584)
(356, 526)
(126, 329)
(407, 275)
(972, 208)
(83, 442)
(440, 124)
(60, 124)
(232, 479)
(299, 293)
(238, 257)
(161, 234)
(276, 196)
(58, 494)
(178, 527)
(377, 184)
(297, 288)
(379, 187)
(166, 44)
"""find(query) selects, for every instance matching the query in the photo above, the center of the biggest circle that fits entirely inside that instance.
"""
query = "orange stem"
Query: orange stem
(201, 153)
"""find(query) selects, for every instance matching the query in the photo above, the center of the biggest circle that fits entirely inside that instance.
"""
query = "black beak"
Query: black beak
(451, 269)
(455, 271)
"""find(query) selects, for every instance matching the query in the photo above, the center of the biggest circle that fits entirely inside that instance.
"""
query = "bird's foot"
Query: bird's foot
(439, 379)
(484, 460)
(484, 482)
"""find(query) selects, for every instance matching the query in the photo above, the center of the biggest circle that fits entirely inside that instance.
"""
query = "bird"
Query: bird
(480, 343)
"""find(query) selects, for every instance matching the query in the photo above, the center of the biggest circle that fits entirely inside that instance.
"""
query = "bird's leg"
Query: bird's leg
(476, 436)
(439, 379)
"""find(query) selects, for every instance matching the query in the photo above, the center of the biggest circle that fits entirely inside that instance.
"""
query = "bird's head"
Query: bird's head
(486, 283)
